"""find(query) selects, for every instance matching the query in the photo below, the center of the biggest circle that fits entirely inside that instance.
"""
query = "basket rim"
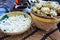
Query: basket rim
(45, 17)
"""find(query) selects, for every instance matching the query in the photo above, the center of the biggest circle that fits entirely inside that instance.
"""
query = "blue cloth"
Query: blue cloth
(27, 10)
(59, 1)
(8, 4)
(2, 11)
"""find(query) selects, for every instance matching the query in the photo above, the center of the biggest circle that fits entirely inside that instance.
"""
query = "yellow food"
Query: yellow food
(34, 9)
(38, 11)
(38, 5)
(45, 10)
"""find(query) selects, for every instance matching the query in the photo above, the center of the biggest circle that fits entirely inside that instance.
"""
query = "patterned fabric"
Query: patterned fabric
(9, 4)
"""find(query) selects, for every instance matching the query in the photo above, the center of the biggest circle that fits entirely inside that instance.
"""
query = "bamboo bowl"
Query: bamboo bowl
(14, 14)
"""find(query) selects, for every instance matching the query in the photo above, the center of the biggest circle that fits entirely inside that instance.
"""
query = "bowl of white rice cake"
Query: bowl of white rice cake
(15, 22)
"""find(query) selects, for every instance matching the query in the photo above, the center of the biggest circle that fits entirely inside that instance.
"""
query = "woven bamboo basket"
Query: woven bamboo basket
(45, 23)
(14, 14)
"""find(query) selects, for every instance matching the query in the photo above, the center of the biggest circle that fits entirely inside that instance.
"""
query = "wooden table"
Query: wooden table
(35, 36)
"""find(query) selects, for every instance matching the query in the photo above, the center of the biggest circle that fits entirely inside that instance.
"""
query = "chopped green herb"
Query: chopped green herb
(5, 16)
(25, 16)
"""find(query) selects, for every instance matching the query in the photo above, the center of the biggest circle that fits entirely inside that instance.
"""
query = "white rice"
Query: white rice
(15, 24)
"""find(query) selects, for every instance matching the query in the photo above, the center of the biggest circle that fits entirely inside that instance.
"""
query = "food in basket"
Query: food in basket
(47, 8)
(54, 5)
(15, 24)
(34, 8)
(58, 9)
(53, 12)
(38, 5)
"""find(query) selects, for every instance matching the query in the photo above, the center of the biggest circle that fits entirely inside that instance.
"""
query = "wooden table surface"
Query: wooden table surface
(36, 36)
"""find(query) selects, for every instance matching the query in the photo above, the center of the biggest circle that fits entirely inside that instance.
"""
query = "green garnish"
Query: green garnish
(25, 16)
(5, 16)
